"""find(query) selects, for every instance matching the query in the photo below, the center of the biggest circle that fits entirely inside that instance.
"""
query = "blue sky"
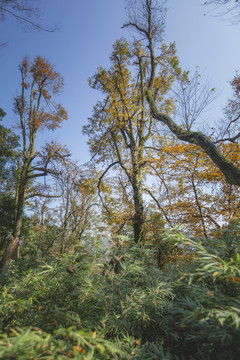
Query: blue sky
(84, 42)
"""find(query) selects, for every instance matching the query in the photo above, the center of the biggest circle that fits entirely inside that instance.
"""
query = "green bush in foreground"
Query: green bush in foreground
(84, 307)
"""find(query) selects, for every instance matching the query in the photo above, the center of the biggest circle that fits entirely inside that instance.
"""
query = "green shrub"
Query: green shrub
(123, 306)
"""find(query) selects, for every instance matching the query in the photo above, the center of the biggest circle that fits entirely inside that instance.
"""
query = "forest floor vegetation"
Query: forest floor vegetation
(122, 305)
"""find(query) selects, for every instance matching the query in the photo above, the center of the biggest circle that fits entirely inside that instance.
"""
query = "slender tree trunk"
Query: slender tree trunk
(199, 209)
(17, 250)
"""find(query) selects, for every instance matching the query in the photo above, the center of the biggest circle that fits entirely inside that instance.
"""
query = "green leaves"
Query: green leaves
(125, 306)
(29, 343)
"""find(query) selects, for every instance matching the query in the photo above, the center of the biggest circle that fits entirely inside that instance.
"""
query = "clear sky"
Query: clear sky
(84, 42)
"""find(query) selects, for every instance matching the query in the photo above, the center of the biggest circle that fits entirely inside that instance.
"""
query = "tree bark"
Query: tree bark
(14, 239)
(138, 219)
(8, 253)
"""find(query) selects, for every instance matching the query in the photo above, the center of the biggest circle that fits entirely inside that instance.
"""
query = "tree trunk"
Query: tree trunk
(138, 219)
(17, 250)
(13, 243)
(16, 253)
(8, 253)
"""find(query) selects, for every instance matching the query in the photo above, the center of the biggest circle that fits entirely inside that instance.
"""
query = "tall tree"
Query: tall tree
(122, 128)
(8, 177)
(146, 20)
(36, 110)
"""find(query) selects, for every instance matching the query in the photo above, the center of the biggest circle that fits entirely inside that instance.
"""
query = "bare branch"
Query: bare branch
(230, 139)
(99, 184)
(41, 195)
(22, 14)
(228, 9)
(192, 99)
(158, 205)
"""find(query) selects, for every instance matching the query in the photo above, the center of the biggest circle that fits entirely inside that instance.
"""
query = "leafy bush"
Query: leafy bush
(123, 306)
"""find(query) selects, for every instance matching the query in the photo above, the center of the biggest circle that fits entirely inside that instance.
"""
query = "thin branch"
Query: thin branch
(41, 195)
(136, 26)
(44, 173)
(231, 139)
(99, 184)
(158, 205)
(25, 20)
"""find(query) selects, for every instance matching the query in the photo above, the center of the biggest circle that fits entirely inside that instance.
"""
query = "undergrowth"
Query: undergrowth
(83, 306)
